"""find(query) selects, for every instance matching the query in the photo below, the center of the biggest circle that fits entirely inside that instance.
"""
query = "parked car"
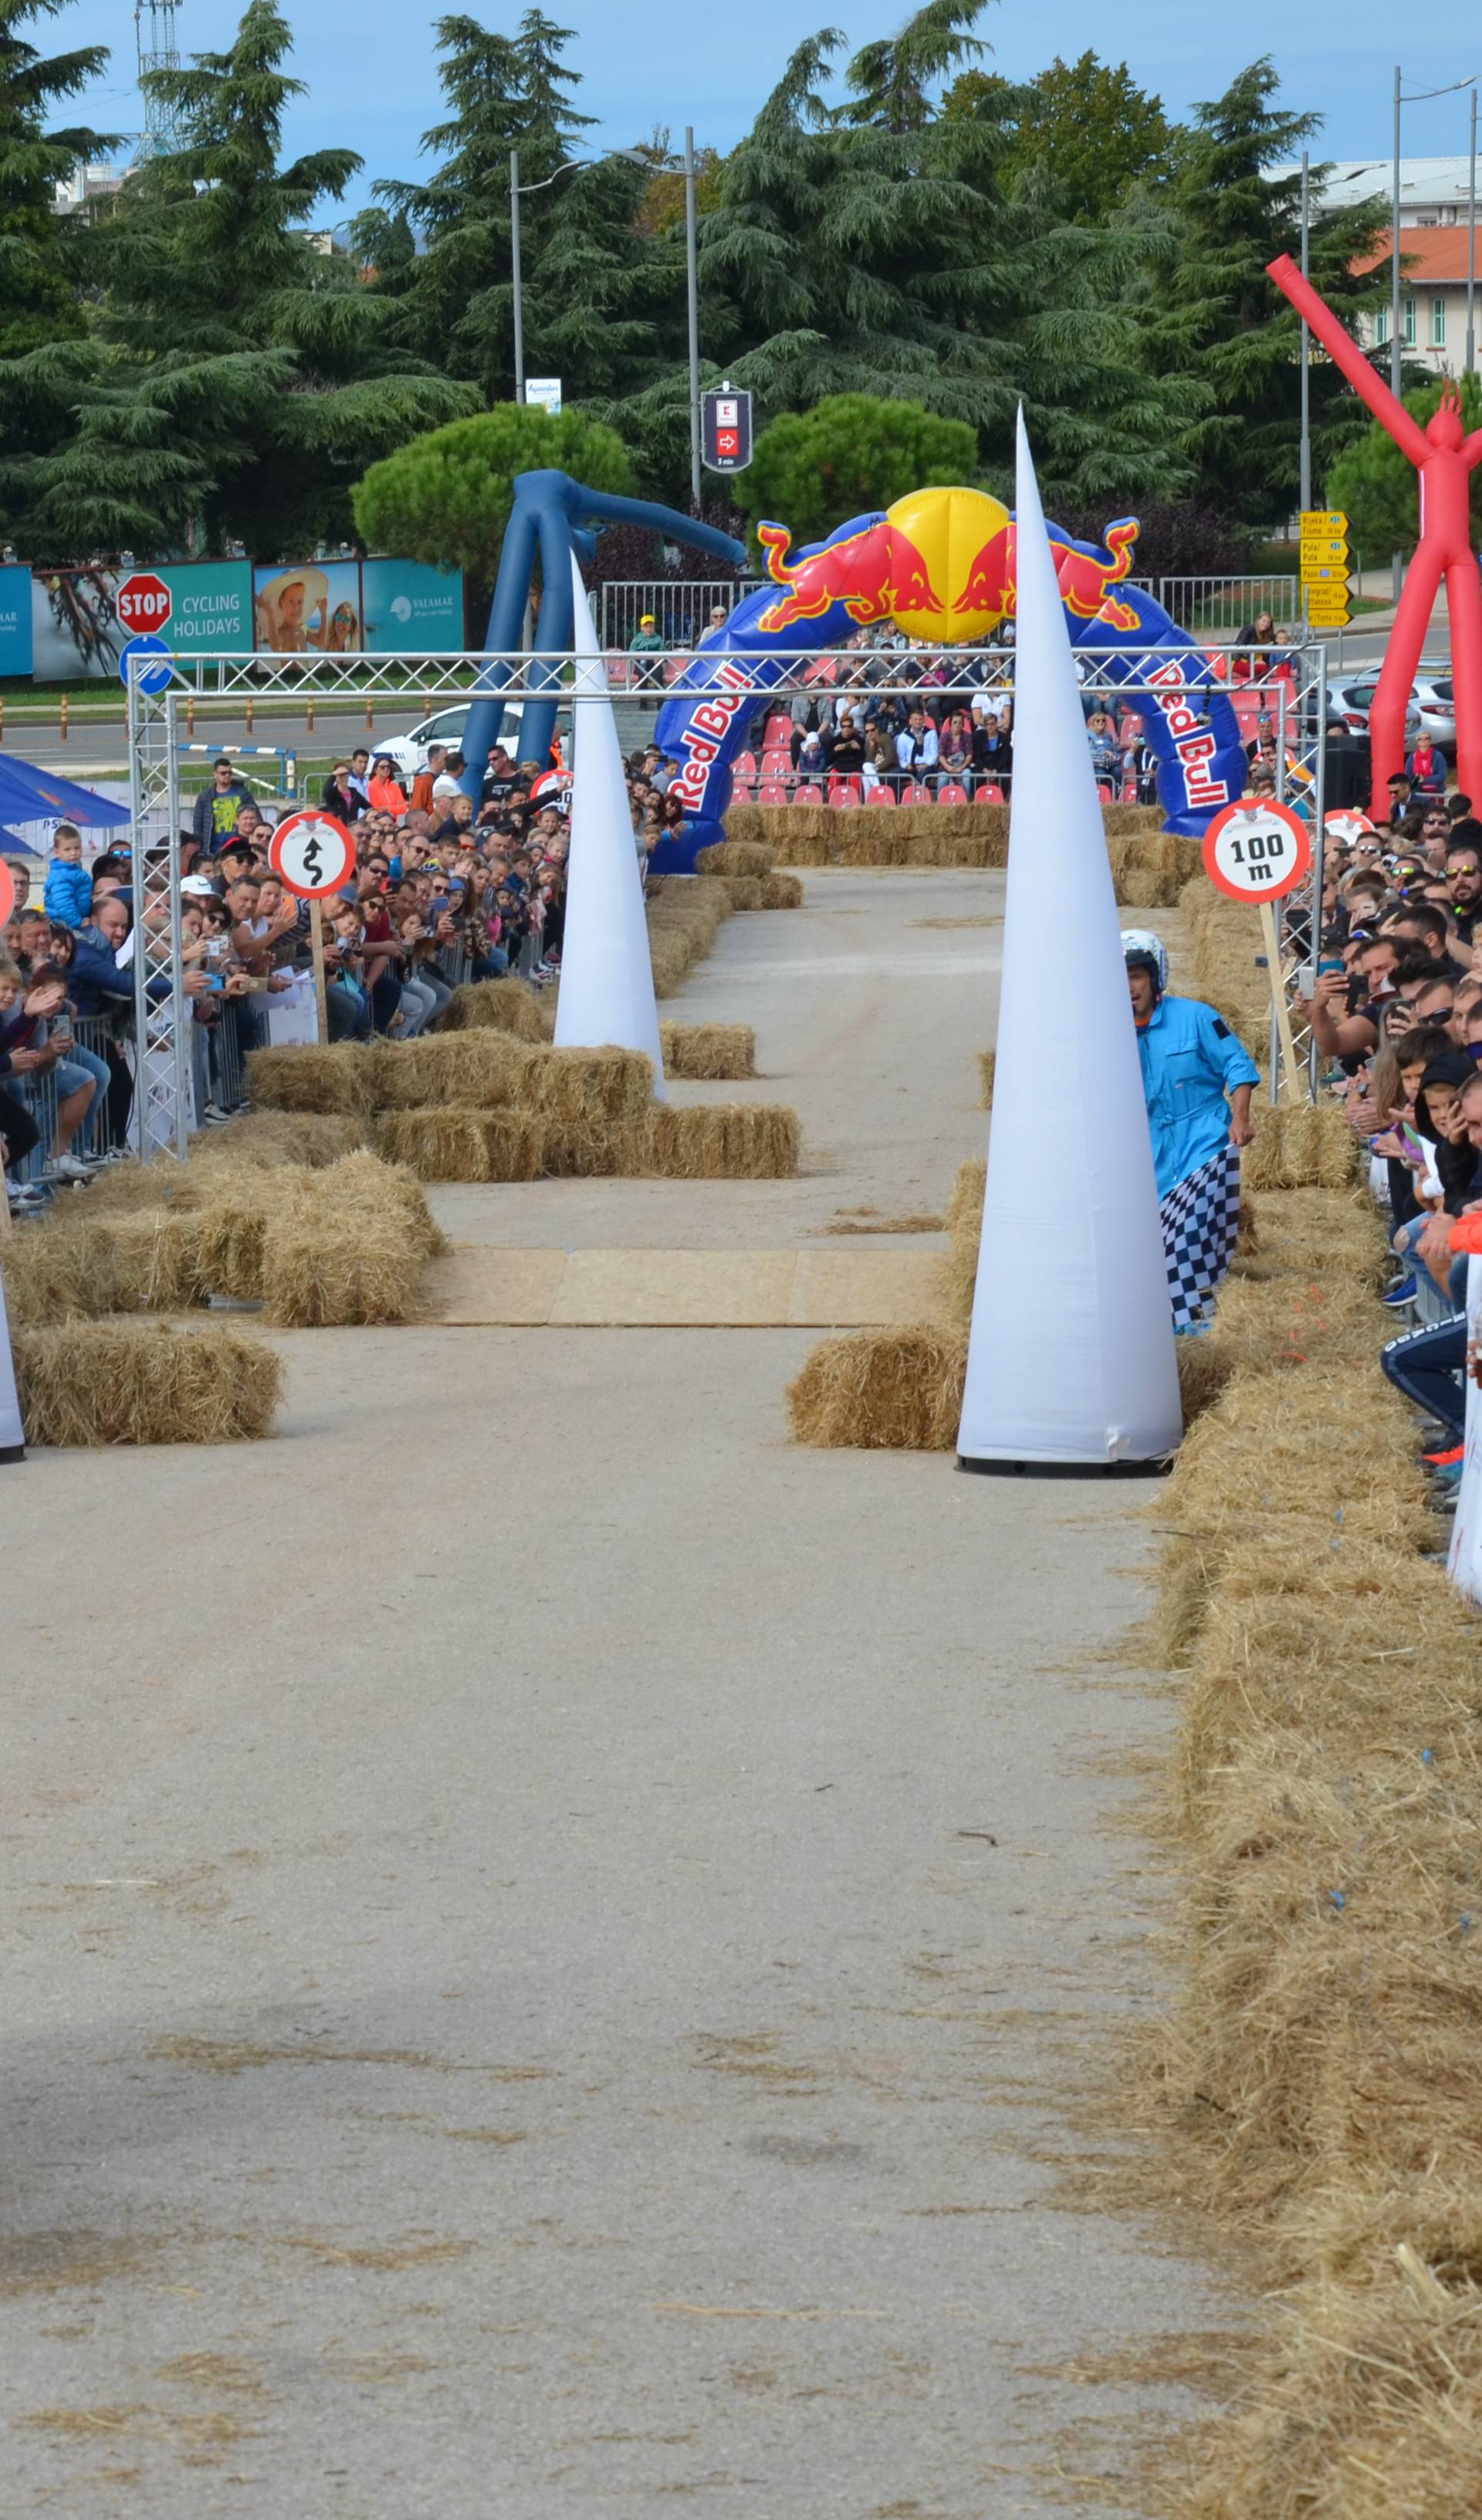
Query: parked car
(446, 726)
(1352, 701)
(1435, 697)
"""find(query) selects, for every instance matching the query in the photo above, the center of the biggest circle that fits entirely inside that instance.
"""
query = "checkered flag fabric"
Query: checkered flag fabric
(1200, 1218)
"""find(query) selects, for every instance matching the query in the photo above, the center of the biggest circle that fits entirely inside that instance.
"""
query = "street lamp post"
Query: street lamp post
(692, 274)
(1305, 455)
(516, 188)
(1423, 96)
(1471, 243)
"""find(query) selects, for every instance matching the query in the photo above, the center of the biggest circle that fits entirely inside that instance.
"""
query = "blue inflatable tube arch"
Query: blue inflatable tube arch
(860, 575)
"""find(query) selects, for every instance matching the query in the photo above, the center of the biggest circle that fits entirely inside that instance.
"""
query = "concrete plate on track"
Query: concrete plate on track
(640, 1289)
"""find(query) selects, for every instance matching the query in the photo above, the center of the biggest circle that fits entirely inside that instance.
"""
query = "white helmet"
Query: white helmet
(1140, 945)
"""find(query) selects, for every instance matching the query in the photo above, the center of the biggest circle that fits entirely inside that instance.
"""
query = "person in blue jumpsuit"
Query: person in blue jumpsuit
(1197, 1080)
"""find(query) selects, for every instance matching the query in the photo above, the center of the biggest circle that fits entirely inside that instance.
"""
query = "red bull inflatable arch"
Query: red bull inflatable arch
(940, 565)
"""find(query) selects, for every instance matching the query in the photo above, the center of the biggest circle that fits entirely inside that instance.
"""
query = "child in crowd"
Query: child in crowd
(68, 895)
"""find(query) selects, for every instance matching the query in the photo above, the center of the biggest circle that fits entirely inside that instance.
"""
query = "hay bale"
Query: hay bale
(895, 1390)
(50, 1275)
(149, 1261)
(670, 955)
(499, 1006)
(987, 1062)
(796, 848)
(143, 1383)
(317, 1277)
(712, 1142)
(746, 892)
(715, 1052)
(452, 1146)
(323, 1076)
(1142, 887)
(572, 1087)
(311, 1138)
(734, 857)
(782, 892)
(385, 1191)
(1302, 1144)
(468, 1069)
(964, 1229)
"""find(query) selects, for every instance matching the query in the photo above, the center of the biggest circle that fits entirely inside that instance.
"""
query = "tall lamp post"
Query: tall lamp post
(517, 189)
(691, 278)
(1423, 96)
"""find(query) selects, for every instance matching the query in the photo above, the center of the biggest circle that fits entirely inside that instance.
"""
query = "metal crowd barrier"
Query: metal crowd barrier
(226, 1058)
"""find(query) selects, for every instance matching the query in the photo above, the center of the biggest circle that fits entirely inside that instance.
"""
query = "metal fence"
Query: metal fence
(682, 607)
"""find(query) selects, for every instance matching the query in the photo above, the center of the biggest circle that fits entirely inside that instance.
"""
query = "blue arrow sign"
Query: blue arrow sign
(157, 679)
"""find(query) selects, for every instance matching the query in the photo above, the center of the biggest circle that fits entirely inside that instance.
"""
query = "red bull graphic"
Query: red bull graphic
(1085, 572)
(940, 565)
(875, 572)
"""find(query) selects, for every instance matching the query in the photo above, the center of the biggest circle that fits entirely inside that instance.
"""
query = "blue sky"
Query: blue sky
(371, 70)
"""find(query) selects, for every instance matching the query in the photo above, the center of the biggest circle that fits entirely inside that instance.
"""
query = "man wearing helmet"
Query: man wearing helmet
(1198, 1081)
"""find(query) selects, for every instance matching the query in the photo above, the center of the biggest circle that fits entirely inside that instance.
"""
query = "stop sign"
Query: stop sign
(143, 601)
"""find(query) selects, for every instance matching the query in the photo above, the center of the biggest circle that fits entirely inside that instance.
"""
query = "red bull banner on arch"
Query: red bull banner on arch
(940, 566)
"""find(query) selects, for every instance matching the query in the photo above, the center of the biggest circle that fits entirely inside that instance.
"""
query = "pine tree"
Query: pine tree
(598, 291)
(1215, 316)
(240, 378)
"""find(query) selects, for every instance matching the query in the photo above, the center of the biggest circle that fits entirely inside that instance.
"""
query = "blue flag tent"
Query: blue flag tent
(31, 795)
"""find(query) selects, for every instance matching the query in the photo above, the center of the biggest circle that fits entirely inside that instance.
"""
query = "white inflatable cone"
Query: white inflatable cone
(606, 976)
(1071, 1361)
(11, 1434)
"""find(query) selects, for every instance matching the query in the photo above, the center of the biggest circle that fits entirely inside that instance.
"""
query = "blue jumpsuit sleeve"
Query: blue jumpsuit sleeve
(1224, 1050)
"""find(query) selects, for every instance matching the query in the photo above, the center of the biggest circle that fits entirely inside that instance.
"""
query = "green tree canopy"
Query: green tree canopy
(1081, 133)
(446, 497)
(237, 378)
(1213, 316)
(601, 293)
(852, 452)
(1375, 484)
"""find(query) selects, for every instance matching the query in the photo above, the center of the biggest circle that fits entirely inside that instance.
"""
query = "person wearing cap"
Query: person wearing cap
(646, 641)
(1198, 1081)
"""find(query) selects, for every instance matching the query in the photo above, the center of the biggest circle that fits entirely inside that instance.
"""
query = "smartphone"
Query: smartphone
(1304, 979)
(1329, 963)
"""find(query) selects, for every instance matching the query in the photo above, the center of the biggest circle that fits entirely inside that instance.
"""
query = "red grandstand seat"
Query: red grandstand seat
(1129, 724)
(989, 792)
(880, 795)
(1103, 790)
(778, 730)
(740, 791)
(777, 765)
(618, 668)
(913, 794)
(952, 795)
(744, 765)
(844, 791)
(772, 792)
(807, 793)
(1128, 792)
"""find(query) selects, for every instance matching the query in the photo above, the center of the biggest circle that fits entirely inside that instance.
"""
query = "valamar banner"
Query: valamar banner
(407, 606)
(15, 620)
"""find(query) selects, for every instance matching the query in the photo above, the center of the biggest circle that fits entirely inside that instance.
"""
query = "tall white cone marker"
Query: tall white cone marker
(606, 976)
(1071, 1360)
(11, 1434)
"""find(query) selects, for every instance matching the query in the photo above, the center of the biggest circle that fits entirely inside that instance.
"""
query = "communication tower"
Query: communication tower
(155, 41)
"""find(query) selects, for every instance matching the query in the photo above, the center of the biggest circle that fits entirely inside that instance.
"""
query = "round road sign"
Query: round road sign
(312, 854)
(156, 678)
(1346, 823)
(1256, 850)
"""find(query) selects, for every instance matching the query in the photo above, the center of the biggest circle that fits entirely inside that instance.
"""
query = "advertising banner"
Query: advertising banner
(211, 608)
(15, 620)
(410, 607)
(78, 630)
(309, 607)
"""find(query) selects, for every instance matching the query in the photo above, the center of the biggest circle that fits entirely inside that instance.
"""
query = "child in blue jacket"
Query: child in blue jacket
(68, 895)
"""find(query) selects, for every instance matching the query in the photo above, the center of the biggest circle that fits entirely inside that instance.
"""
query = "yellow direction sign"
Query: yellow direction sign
(1322, 521)
(1324, 573)
(1315, 555)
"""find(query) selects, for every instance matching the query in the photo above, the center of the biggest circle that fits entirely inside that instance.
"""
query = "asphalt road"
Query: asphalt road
(553, 1937)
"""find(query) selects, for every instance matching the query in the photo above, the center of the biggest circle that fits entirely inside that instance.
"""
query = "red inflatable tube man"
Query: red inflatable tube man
(1443, 460)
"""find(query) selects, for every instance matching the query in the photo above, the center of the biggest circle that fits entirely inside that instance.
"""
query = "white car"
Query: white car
(410, 751)
(1352, 701)
(1436, 699)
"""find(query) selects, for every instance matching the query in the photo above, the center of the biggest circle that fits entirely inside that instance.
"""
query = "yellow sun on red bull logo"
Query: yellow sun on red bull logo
(965, 584)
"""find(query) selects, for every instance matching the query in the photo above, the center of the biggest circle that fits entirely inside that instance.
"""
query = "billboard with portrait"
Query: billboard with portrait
(307, 608)
(411, 607)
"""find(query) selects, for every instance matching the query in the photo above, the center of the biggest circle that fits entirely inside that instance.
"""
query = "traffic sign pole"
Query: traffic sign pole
(312, 854)
(1259, 851)
(316, 942)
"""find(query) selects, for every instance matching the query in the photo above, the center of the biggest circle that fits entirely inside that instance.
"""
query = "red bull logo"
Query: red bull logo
(1083, 572)
(876, 574)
